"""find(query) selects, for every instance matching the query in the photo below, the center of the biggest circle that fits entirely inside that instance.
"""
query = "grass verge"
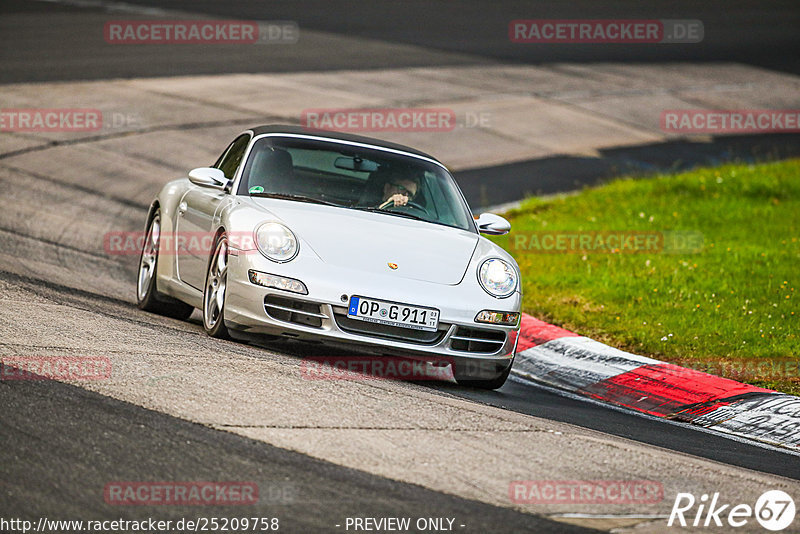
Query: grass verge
(703, 271)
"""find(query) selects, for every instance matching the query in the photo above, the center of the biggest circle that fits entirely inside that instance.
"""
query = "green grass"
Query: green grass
(730, 306)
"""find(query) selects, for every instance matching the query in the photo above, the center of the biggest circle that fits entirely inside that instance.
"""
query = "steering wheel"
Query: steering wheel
(409, 204)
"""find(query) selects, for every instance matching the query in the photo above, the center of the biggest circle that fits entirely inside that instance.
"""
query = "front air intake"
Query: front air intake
(293, 311)
(482, 340)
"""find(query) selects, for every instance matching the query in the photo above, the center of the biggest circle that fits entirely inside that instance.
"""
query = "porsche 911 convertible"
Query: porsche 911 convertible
(335, 238)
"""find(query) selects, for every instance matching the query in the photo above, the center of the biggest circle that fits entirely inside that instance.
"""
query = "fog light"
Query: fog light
(277, 282)
(496, 317)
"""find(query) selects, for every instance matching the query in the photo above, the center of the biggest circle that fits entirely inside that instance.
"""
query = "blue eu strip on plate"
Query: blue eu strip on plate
(353, 306)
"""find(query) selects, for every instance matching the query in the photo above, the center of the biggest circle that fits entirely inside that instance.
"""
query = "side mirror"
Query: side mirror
(208, 177)
(491, 224)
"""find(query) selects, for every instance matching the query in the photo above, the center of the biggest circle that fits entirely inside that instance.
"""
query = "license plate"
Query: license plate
(393, 314)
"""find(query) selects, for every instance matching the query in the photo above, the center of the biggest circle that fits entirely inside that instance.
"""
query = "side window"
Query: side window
(229, 161)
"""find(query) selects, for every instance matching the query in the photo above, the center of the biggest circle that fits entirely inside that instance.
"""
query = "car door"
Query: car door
(196, 213)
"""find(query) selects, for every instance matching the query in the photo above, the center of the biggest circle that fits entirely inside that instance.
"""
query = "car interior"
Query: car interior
(348, 179)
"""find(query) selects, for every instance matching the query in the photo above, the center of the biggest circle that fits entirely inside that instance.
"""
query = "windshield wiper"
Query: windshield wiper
(396, 213)
(298, 198)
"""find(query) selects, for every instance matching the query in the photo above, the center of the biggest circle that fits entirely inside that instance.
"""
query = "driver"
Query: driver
(399, 191)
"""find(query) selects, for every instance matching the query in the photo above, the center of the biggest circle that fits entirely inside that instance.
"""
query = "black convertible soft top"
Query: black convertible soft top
(282, 128)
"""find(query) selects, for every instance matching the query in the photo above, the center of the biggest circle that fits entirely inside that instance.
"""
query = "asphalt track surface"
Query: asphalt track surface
(60, 443)
(59, 41)
(56, 465)
(382, 33)
(532, 400)
(559, 174)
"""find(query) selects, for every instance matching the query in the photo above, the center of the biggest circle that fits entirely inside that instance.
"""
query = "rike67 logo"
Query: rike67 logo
(774, 510)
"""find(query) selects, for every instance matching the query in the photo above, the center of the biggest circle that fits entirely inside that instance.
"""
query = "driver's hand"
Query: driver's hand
(399, 199)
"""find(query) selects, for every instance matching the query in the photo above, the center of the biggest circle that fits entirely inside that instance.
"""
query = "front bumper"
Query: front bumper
(322, 314)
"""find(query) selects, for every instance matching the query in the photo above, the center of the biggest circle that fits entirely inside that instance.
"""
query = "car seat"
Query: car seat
(273, 169)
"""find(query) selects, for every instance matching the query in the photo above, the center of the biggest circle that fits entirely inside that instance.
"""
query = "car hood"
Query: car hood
(370, 242)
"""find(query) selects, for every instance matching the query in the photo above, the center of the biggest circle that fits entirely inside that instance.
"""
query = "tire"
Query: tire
(465, 375)
(215, 289)
(148, 297)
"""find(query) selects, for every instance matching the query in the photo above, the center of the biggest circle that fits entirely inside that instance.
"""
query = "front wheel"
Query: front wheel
(215, 288)
(147, 296)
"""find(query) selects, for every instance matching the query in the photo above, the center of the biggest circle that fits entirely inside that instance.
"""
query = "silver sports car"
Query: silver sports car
(336, 238)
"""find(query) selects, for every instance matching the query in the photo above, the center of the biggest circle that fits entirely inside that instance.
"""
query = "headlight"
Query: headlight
(276, 242)
(497, 277)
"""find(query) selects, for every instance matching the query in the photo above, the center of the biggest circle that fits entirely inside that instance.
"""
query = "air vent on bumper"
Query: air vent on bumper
(481, 340)
(293, 311)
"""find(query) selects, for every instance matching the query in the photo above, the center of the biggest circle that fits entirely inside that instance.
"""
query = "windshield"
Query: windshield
(353, 177)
